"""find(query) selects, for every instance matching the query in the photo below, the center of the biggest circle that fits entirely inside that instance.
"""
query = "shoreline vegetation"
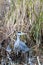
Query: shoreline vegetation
(21, 16)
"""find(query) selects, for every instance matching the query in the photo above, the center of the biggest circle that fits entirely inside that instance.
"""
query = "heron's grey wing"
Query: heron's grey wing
(23, 46)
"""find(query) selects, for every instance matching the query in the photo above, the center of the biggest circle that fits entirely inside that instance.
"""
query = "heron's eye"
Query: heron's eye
(19, 32)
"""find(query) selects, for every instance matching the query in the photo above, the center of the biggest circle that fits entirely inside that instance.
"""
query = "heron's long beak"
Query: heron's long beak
(21, 33)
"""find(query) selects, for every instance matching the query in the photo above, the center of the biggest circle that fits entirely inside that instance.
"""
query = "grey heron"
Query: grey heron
(20, 45)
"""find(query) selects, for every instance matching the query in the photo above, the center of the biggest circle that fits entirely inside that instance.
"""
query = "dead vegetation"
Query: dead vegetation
(25, 16)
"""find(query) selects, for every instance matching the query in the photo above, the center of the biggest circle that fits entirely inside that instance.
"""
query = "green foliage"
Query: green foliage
(30, 3)
(36, 30)
(18, 1)
(41, 0)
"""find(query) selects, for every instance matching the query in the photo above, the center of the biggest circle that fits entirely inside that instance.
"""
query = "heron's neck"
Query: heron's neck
(18, 37)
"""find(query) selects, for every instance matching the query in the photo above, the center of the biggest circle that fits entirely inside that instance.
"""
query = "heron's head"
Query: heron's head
(21, 33)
